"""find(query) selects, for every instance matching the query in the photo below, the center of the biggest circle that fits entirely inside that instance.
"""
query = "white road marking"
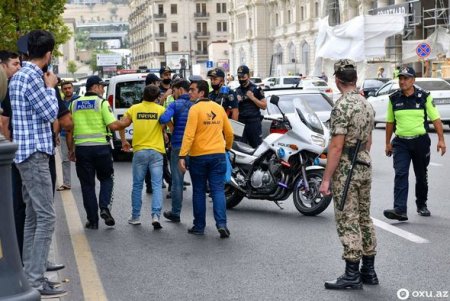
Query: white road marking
(435, 164)
(402, 233)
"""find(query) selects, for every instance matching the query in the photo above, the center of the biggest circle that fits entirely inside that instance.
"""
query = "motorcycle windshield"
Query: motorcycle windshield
(308, 116)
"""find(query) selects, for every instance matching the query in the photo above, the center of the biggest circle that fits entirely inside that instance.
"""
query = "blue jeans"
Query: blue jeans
(143, 160)
(209, 168)
(406, 151)
(92, 160)
(39, 216)
(177, 182)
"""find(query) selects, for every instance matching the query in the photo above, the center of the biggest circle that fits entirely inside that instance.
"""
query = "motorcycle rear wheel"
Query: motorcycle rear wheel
(312, 202)
(232, 196)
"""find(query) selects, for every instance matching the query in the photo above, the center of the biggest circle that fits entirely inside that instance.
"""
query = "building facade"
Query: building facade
(275, 37)
(163, 29)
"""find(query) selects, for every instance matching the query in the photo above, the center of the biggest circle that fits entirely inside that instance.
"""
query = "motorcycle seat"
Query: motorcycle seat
(243, 148)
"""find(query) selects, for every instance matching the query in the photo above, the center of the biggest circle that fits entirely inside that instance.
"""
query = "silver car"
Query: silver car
(438, 88)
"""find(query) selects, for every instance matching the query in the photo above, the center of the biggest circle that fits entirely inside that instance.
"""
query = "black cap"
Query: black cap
(165, 69)
(22, 44)
(407, 71)
(94, 80)
(217, 72)
(151, 79)
(243, 70)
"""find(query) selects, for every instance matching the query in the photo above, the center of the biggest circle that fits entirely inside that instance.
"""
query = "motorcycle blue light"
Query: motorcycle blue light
(316, 161)
(281, 152)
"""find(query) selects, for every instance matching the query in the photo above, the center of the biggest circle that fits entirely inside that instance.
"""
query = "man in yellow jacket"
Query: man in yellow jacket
(207, 135)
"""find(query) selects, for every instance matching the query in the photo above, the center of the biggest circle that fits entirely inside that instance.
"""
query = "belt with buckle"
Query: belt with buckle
(410, 137)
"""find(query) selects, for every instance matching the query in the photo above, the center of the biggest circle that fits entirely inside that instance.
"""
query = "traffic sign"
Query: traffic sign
(423, 50)
(209, 64)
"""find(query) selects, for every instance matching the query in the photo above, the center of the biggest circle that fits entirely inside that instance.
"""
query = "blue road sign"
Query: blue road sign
(423, 50)
(209, 64)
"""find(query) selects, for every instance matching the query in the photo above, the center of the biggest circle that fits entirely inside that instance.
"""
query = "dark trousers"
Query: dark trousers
(18, 205)
(92, 161)
(418, 151)
(52, 165)
(252, 133)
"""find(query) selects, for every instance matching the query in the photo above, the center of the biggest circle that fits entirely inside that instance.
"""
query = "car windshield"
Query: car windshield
(372, 83)
(316, 101)
(315, 83)
(291, 80)
(129, 93)
(256, 80)
(433, 85)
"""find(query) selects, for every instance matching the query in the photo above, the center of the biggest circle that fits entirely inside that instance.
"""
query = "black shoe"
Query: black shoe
(185, 183)
(47, 291)
(351, 279)
(394, 214)
(91, 225)
(149, 190)
(106, 215)
(368, 274)
(170, 216)
(195, 231)
(224, 232)
(424, 211)
(169, 196)
(52, 283)
(155, 222)
(53, 267)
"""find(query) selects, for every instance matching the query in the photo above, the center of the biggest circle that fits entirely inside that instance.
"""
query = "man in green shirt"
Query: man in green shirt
(408, 110)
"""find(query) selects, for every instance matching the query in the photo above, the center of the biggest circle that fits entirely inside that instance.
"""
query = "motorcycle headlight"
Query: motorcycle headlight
(318, 140)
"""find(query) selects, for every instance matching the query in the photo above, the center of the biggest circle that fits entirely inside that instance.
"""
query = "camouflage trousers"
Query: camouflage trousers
(354, 225)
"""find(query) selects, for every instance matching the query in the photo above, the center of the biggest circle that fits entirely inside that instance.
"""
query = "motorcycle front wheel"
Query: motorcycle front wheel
(232, 196)
(310, 202)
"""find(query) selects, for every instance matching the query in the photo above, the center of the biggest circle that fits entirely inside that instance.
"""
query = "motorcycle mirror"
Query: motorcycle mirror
(274, 100)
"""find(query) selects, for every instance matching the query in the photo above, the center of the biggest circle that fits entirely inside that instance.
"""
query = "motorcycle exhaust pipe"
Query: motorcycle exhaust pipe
(236, 185)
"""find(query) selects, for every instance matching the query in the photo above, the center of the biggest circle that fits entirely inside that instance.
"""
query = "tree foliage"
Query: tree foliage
(72, 67)
(18, 17)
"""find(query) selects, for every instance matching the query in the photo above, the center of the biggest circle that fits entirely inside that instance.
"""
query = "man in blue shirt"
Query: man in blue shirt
(178, 112)
(34, 107)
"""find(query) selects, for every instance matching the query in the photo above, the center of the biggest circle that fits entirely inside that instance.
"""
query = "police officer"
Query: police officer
(222, 94)
(251, 100)
(352, 119)
(91, 117)
(408, 110)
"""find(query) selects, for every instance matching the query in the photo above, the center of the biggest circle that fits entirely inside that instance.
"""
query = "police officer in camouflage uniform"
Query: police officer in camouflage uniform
(352, 119)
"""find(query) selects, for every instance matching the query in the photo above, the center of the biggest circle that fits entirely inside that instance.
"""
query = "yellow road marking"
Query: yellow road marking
(91, 283)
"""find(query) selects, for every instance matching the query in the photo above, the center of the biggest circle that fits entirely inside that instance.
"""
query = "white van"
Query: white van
(123, 92)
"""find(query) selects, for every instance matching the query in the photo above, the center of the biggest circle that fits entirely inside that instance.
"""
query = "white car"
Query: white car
(316, 84)
(438, 88)
(281, 82)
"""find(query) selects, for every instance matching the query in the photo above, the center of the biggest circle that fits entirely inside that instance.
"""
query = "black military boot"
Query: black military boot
(368, 274)
(351, 279)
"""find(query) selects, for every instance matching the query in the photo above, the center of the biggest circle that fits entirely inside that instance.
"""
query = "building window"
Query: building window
(289, 16)
(302, 13)
(202, 46)
(222, 26)
(162, 49)
(276, 20)
(173, 9)
(200, 7)
(161, 28)
(174, 46)
(160, 9)
(221, 8)
(316, 9)
(174, 27)
(202, 27)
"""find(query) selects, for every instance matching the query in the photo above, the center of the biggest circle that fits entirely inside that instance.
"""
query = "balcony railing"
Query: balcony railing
(160, 35)
(202, 34)
(160, 16)
(201, 52)
(201, 15)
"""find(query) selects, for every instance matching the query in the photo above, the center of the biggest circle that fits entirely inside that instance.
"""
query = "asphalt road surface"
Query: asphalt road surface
(272, 254)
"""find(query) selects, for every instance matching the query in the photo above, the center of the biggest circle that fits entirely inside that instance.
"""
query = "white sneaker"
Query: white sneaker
(134, 221)
(155, 222)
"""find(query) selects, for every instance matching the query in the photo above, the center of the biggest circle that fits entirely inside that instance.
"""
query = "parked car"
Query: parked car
(123, 92)
(372, 85)
(318, 101)
(316, 84)
(257, 81)
(281, 82)
(438, 88)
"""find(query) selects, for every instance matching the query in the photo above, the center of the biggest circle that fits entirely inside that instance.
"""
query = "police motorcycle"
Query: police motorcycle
(283, 164)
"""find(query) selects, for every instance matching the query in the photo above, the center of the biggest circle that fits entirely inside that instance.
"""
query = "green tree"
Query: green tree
(18, 17)
(72, 67)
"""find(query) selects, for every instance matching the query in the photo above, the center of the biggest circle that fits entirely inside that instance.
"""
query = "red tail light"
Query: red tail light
(278, 128)
(329, 90)
(111, 100)
(278, 131)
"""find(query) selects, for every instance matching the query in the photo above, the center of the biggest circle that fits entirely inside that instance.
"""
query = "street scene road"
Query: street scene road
(272, 254)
